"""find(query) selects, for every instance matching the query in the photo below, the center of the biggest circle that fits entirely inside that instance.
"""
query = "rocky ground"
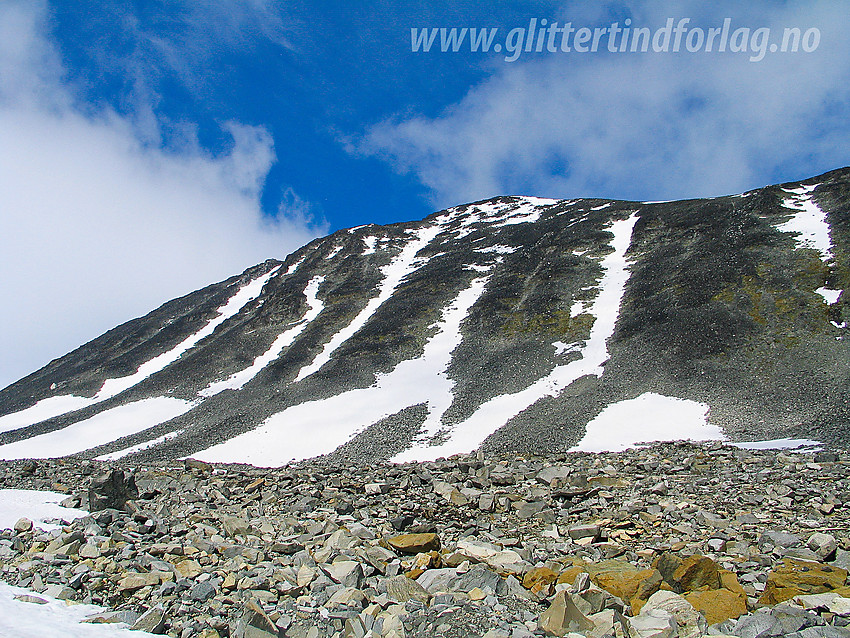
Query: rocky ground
(669, 540)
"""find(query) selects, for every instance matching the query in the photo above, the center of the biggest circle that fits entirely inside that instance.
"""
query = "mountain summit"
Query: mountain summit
(516, 324)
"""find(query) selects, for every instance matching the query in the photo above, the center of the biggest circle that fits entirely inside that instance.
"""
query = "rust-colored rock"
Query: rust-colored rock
(619, 577)
(646, 588)
(414, 543)
(798, 577)
(539, 578)
(696, 573)
(718, 605)
(568, 576)
(729, 580)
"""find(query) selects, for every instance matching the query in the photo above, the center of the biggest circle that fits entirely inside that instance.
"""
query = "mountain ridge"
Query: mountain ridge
(726, 303)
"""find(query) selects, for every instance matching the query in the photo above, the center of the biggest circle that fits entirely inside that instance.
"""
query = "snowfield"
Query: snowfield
(649, 417)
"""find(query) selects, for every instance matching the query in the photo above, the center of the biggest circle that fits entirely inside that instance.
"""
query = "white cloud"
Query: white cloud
(644, 126)
(96, 226)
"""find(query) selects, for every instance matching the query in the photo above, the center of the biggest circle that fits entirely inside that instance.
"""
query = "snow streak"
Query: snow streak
(114, 456)
(319, 427)
(812, 230)
(493, 414)
(809, 222)
(238, 379)
(56, 406)
(394, 273)
(100, 429)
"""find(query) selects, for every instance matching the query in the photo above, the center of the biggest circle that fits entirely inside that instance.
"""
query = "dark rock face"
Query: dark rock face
(112, 490)
(724, 303)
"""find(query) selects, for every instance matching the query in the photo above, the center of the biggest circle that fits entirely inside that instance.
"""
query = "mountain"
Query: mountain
(515, 324)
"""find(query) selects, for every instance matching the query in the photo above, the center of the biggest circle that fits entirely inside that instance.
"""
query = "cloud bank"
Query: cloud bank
(632, 125)
(98, 225)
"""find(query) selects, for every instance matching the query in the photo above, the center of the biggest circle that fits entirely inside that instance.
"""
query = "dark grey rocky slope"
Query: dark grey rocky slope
(480, 326)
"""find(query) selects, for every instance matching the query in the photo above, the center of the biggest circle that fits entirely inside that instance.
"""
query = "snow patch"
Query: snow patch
(778, 444)
(102, 428)
(370, 245)
(525, 216)
(498, 249)
(564, 348)
(38, 506)
(55, 618)
(578, 308)
(829, 296)
(809, 221)
(294, 266)
(647, 418)
(498, 214)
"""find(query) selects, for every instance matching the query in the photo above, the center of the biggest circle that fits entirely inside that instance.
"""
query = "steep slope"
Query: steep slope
(513, 323)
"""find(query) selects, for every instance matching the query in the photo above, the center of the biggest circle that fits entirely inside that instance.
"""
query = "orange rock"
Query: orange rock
(729, 580)
(646, 588)
(697, 573)
(414, 543)
(568, 576)
(538, 576)
(798, 577)
(619, 577)
(718, 605)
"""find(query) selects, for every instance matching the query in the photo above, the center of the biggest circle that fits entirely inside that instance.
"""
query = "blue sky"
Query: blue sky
(148, 148)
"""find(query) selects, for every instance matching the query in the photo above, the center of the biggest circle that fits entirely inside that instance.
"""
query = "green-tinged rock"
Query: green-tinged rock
(402, 589)
(564, 617)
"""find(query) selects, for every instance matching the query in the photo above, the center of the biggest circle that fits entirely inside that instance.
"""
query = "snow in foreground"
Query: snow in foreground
(21, 619)
(54, 618)
(38, 506)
